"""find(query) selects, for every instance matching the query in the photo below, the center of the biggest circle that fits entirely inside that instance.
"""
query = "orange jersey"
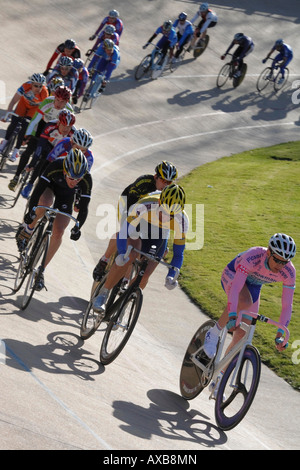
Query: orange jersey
(29, 102)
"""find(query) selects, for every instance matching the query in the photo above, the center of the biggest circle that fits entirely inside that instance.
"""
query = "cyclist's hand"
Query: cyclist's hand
(264, 61)
(88, 53)
(75, 233)
(231, 325)
(146, 45)
(92, 37)
(223, 56)
(29, 217)
(278, 342)
(121, 260)
(170, 283)
(46, 72)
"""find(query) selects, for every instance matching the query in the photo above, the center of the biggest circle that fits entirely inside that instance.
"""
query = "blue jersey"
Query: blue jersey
(185, 30)
(171, 36)
(286, 51)
(63, 148)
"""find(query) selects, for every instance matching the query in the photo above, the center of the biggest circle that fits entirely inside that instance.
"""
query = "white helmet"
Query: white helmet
(204, 7)
(283, 246)
(82, 137)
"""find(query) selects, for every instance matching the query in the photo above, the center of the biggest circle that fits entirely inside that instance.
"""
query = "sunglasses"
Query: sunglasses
(73, 179)
(279, 261)
(36, 85)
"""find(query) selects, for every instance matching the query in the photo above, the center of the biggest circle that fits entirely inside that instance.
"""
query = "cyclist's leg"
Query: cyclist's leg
(146, 245)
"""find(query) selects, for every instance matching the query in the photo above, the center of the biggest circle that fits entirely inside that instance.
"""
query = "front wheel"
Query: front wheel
(234, 399)
(223, 75)
(121, 327)
(264, 79)
(192, 380)
(143, 68)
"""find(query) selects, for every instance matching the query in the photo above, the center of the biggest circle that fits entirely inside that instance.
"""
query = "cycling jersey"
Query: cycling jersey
(63, 148)
(286, 52)
(185, 30)
(60, 51)
(142, 186)
(114, 37)
(81, 82)
(244, 47)
(29, 102)
(143, 221)
(118, 24)
(171, 37)
(70, 79)
(207, 20)
(251, 268)
(54, 178)
(47, 112)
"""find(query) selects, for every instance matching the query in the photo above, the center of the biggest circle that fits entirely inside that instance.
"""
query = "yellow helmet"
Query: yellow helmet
(75, 164)
(172, 199)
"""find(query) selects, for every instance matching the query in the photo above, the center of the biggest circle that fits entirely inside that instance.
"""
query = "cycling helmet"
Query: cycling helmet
(75, 164)
(278, 43)
(70, 44)
(113, 14)
(109, 29)
(238, 36)
(78, 64)
(55, 83)
(204, 7)
(63, 93)
(66, 118)
(65, 61)
(167, 25)
(108, 44)
(182, 16)
(82, 137)
(166, 170)
(38, 78)
(283, 246)
(172, 199)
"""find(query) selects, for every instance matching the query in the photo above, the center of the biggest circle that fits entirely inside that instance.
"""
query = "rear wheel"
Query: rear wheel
(238, 80)
(200, 46)
(278, 84)
(121, 327)
(192, 380)
(223, 75)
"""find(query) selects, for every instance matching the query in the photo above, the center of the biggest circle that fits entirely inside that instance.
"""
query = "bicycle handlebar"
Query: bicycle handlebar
(11, 113)
(264, 319)
(56, 212)
(153, 258)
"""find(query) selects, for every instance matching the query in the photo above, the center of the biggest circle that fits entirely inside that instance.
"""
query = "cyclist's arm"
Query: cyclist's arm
(60, 149)
(42, 185)
(229, 48)
(236, 287)
(85, 186)
(15, 99)
(101, 26)
(286, 304)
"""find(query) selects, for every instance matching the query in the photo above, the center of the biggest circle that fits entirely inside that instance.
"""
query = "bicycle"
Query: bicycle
(241, 365)
(92, 93)
(35, 252)
(153, 64)
(229, 70)
(12, 139)
(270, 75)
(21, 184)
(122, 308)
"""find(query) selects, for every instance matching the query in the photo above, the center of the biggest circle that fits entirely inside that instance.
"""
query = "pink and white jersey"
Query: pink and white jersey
(251, 267)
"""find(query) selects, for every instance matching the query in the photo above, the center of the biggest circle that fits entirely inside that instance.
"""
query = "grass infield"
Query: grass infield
(247, 198)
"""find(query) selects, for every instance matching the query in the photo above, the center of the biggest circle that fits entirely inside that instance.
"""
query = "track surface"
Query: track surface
(55, 395)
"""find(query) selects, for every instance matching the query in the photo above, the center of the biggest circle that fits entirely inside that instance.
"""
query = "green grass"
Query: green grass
(247, 198)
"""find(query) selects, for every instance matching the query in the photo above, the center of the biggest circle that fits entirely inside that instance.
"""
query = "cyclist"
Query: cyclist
(285, 56)
(48, 110)
(83, 76)
(242, 280)
(26, 99)
(245, 47)
(81, 139)
(53, 133)
(209, 19)
(66, 71)
(112, 19)
(156, 215)
(57, 186)
(165, 174)
(55, 83)
(105, 61)
(67, 48)
(167, 42)
(184, 33)
(109, 32)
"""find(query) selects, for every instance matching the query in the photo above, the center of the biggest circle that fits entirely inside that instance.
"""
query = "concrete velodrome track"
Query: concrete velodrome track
(55, 395)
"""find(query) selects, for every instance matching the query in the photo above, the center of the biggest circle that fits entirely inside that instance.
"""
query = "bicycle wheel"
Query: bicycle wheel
(192, 380)
(6, 151)
(121, 327)
(277, 85)
(91, 320)
(223, 75)
(264, 79)
(200, 47)
(21, 184)
(233, 401)
(157, 66)
(143, 68)
(238, 80)
(34, 269)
